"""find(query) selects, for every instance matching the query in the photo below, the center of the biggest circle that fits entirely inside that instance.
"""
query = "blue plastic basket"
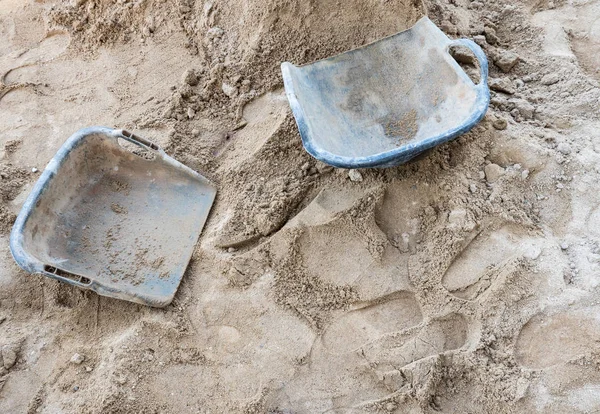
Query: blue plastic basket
(113, 213)
(382, 104)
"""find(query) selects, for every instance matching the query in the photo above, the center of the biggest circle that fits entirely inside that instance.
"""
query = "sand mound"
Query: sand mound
(465, 281)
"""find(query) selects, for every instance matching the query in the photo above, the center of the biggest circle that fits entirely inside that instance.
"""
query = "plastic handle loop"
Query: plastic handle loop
(142, 142)
(55, 275)
(481, 58)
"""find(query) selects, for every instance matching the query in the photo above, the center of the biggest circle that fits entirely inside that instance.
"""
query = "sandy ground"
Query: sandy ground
(465, 281)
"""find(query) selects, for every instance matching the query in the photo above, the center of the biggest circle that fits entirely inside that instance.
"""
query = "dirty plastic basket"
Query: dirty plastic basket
(384, 103)
(121, 222)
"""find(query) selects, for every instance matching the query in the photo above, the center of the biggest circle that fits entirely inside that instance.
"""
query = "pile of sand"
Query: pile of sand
(465, 281)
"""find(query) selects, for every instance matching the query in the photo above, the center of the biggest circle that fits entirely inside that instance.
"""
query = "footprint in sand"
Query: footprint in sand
(437, 336)
(19, 70)
(546, 340)
(365, 350)
(473, 270)
(387, 332)
(336, 254)
(21, 65)
(395, 313)
(398, 215)
(571, 30)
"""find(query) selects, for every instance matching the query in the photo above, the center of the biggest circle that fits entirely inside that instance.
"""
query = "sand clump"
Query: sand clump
(12, 179)
(464, 281)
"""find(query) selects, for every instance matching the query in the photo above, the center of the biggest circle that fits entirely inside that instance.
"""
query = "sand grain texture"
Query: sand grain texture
(418, 289)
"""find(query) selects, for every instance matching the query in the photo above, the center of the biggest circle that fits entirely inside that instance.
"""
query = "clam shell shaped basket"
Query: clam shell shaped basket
(382, 104)
(112, 212)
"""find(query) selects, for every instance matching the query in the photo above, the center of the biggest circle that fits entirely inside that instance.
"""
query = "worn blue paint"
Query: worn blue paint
(340, 135)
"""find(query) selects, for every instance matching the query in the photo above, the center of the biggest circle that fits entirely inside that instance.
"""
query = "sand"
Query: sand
(463, 282)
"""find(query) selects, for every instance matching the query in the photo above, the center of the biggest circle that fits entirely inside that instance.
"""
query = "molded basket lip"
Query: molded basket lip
(404, 152)
(34, 266)
(24, 259)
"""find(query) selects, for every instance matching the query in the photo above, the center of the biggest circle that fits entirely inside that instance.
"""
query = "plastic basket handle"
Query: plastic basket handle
(142, 142)
(481, 58)
(75, 280)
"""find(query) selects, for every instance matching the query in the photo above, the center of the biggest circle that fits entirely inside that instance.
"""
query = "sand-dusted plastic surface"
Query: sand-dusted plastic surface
(384, 103)
(119, 219)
